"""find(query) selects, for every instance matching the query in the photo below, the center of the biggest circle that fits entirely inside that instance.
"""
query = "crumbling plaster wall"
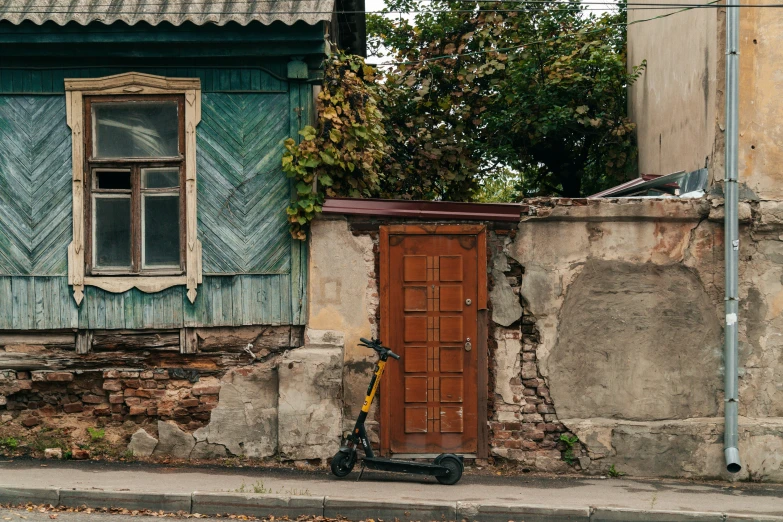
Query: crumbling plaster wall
(602, 277)
(344, 298)
(579, 290)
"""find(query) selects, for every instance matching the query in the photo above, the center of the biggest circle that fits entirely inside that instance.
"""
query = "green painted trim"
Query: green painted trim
(266, 78)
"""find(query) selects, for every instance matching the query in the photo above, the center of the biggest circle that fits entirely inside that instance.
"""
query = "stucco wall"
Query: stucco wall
(760, 108)
(628, 299)
(606, 323)
(678, 104)
(674, 102)
(344, 298)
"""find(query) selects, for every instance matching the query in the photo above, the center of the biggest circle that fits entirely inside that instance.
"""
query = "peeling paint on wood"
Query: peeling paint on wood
(242, 195)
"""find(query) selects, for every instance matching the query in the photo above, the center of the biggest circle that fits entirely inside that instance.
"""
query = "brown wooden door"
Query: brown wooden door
(432, 306)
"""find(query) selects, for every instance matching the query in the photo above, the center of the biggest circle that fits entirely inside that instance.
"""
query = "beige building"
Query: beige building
(678, 103)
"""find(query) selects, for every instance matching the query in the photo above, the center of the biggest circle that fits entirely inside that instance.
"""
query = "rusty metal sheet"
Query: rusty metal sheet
(424, 209)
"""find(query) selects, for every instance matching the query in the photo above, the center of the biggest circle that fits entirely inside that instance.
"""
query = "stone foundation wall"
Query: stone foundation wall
(116, 395)
(285, 404)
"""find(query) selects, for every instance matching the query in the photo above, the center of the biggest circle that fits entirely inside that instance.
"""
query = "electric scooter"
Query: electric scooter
(447, 468)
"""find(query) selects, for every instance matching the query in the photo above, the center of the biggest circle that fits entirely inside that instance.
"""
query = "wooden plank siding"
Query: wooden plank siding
(243, 192)
(213, 79)
(46, 303)
(254, 273)
(35, 185)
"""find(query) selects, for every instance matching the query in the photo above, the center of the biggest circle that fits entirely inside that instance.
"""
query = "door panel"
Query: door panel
(432, 296)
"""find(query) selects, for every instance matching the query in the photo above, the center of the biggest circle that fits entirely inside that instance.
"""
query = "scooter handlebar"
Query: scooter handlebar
(376, 345)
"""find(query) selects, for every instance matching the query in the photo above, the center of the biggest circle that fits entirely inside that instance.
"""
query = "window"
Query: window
(134, 183)
(136, 209)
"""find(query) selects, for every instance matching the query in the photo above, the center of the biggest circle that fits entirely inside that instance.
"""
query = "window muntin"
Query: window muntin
(135, 174)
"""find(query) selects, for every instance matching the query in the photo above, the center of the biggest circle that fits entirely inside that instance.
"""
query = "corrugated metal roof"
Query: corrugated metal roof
(176, 12)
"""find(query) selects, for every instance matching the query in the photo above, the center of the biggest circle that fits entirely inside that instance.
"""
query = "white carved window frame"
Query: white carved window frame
(136, 84)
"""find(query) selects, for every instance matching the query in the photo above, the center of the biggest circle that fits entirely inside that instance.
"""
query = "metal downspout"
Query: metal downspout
(731, 230)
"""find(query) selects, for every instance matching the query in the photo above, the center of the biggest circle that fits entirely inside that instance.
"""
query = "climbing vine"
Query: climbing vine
(343, 155)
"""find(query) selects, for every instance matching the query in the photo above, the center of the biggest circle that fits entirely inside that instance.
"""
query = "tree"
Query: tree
(538, 88)
(356, 151)
(344, 155)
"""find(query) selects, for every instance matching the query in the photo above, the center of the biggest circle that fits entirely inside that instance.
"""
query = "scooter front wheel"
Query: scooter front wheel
(455, 471)
(342, 464)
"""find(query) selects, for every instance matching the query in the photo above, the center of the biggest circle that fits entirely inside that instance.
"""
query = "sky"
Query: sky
(374, 5)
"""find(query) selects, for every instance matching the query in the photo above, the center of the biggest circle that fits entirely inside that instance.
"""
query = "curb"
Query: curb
(353, 509)
(11, 495)
(171, 502)
(218, 503)
(207, 503)
(529, 513)
(639, 515)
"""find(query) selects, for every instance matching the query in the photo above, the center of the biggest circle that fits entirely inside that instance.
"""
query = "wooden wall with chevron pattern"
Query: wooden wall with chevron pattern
(243, 193)
(254, 273)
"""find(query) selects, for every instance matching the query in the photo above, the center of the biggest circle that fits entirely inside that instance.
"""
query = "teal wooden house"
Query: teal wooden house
(140, 146)
(148, 281)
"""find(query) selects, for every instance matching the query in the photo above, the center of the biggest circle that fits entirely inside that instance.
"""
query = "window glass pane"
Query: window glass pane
(112, 179)
(161, 231)
(112, 232)
(135, 129)
(160, 178)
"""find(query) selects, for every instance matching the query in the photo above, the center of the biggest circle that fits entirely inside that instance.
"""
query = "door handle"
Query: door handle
(468, 346)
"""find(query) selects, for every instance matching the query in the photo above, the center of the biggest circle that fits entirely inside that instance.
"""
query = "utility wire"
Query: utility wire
(537, 42)
(46, 5)
(146, 8)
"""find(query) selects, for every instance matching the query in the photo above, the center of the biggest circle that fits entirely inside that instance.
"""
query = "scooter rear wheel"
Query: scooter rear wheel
(342, 464)
(455, 471)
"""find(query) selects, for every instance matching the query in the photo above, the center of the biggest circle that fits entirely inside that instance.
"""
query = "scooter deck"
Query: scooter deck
(406, 466)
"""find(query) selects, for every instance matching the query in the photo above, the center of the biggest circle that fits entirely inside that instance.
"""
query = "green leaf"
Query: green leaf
(326, 157)
(308, 133)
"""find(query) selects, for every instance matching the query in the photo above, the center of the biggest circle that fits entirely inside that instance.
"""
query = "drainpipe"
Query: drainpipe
(731, 231)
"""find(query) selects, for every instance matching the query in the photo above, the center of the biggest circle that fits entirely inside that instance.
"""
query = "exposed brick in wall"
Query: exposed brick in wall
(525, 431)
(113, 396)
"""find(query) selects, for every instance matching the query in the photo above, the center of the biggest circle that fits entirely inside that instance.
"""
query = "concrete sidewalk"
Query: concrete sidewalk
(287, 492)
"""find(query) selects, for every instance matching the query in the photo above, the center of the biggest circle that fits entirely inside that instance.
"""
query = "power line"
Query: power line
(537, 42)
(146, 8)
